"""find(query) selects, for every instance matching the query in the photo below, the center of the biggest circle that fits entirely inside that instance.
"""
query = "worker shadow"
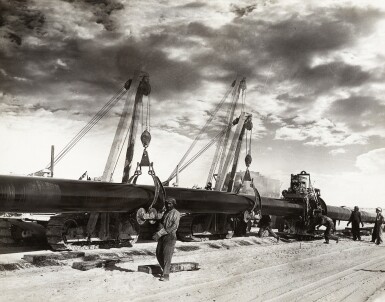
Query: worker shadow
(371, 270)
(113, 267)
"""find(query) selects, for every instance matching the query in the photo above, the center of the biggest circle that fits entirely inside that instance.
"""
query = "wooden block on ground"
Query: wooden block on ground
(99, 262)
(150, 269)
(175, 267)
(12, 266)
(72, 255)
(52, 256)
(87, 265)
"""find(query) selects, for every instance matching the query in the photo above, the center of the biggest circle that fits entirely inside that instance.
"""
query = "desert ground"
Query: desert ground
(239, 269)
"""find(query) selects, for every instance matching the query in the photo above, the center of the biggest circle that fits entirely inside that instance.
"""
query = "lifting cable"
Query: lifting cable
(151, 214)
(248, 214)
(243, 97)
(97, 117)
(222, 144)
(203, 129)
(214, 164)
(230, 117)
(199, 153)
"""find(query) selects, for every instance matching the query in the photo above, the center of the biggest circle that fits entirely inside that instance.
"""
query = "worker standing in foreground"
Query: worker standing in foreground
(377, 230)
(319, 220)
(355, 219)
(265, 225)
(166, 237)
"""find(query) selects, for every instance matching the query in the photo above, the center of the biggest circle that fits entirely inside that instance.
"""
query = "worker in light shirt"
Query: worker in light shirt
(166, 237)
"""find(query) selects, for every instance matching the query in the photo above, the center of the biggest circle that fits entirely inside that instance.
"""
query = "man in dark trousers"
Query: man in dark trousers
(377, 230)
(319, 220)
(166, 237)
(265, 225)
(355, 219)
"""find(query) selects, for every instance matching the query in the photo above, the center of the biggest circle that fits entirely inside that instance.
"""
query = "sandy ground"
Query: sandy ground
(240, 269)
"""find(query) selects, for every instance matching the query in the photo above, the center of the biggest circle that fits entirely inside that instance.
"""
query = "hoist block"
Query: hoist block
(145, 138)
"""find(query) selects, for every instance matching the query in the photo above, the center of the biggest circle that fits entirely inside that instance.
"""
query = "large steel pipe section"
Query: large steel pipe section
(50, 195)
(340, 213)
(280, 207)
(205, 201)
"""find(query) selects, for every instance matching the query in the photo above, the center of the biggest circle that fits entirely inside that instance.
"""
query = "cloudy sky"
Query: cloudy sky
(315, 84)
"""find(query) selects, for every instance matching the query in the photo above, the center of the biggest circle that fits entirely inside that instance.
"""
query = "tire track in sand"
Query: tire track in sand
(326, 289)
(243, 282)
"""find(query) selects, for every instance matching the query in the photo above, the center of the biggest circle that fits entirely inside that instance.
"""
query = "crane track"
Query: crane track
(5, 233)
(56, 237)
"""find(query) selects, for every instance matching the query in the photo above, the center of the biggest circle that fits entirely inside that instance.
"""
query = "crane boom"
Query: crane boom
(119, 134)
(230, 154)
(144, 88)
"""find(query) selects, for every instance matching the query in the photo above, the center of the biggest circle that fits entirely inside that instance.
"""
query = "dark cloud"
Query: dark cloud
(39, 106)
(293, 99)
(243, 11)
(298, 38)
(200, 30)
(14, 38)
(19, 20)
(335, 74)
(101, 9)
(359, 112)
(247, 46)
(16, 107)
(196, 4)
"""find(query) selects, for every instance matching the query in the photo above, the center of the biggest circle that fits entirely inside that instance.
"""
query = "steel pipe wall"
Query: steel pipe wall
(51, 195)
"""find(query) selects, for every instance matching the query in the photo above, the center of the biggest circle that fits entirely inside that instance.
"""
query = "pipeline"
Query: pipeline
(48, 195)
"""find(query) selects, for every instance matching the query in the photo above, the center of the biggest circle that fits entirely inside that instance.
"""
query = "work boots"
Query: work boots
(164, 278)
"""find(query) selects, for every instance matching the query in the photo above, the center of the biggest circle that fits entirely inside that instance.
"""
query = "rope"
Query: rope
(199, 153)
(97, 117)
(230, 117)
(203, 129)
(121, 149)
(142, 117)
(214, 164)
(86, 129)
(148, 114)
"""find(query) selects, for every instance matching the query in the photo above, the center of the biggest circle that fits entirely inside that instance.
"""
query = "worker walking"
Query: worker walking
(265, 225)
(319, 220)
(355, 220)
(377, 230)
(166, 237)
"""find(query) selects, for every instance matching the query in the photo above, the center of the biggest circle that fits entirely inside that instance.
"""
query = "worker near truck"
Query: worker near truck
(355, 219)
(377, 230)
(326, 221)
(265, 225)
(166, 237)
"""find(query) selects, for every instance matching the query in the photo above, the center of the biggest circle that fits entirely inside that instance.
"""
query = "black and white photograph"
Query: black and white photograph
(179, 150)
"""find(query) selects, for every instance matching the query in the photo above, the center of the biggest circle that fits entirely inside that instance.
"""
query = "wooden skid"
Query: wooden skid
(102, 262)
(175, 267)
(35, 259)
